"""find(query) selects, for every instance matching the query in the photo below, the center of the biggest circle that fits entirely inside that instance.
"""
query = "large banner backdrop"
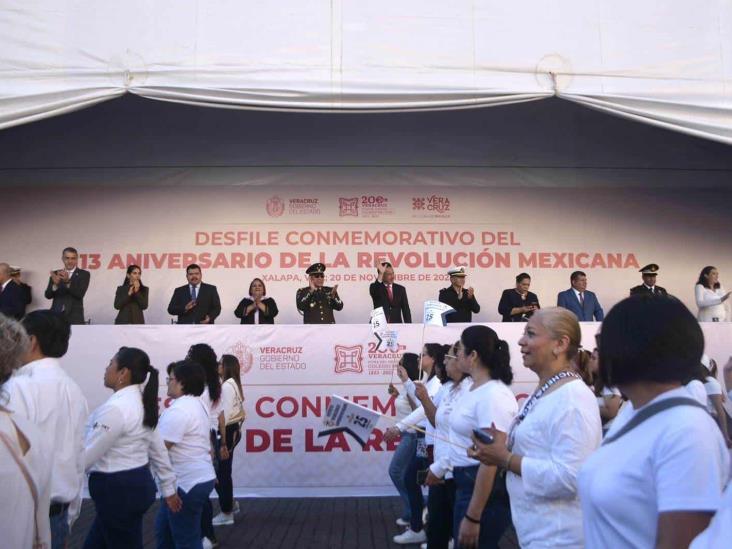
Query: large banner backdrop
(423, 227)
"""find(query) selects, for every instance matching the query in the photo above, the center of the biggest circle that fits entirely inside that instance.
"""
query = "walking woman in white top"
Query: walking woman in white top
(185, 429)
(659, 475)
(556, 430)
(710, 296)
(229, 435)
(121, 446)
(25, 470)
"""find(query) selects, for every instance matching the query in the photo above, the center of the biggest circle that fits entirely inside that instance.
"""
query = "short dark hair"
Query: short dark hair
(264, 288)
(575, 275)
(69, 249)
(521, 276)
(190, 375)
(410, 362)
(650, 338)
(51, 330)
(192, 267)
(492, 351)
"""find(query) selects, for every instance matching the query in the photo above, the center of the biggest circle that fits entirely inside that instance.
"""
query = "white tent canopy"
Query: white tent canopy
(668, 63)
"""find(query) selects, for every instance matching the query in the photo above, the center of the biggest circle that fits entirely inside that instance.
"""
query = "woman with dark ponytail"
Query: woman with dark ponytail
(481, 510)
(121, 447)
(204, 355)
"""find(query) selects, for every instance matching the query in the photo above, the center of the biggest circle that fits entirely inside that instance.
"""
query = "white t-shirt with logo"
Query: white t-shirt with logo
(478, 408)
(673, 461)
(186, 425)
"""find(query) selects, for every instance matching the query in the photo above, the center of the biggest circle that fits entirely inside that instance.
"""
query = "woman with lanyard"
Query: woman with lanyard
(481, 513)
(120, 446)
(557, 428)
(185, 429)
(659, 475)
(205, 356)
(432, 364)
(441, 498)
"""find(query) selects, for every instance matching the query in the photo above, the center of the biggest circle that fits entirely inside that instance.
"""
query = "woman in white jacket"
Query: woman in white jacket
(710, 296)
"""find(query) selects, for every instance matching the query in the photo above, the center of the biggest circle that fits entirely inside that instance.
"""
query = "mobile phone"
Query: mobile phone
(482, 436)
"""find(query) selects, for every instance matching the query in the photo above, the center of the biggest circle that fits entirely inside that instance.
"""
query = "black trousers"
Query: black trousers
(121, 499)
(224, 484)
(440, 506)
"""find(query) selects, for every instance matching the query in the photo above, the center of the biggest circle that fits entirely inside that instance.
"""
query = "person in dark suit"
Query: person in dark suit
(257, 308)
(463, 301)
(131, 298)
(196, 302)
(67, 287)
(317, 302)
(11, 296)
(649, 274)
(27, 290)
(392, 297)
(518, 304)
(580, 300)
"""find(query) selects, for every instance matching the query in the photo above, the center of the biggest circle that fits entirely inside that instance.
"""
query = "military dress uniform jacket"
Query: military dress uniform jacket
(317, 306)
(464, 308)
(642, 289)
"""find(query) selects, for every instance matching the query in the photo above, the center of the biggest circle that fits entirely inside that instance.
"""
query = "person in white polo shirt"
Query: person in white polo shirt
(44, 393)
(185, 428)
(658, 477)
(122, 446)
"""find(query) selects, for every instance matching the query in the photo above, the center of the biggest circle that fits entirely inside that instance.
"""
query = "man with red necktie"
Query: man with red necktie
(392, 297)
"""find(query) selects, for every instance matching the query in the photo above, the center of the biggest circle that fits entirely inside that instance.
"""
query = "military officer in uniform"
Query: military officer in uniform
(649, 273)
(317, 302)
(459, 298)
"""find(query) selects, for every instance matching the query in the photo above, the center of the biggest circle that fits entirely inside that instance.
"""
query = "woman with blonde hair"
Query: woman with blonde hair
(556, 430)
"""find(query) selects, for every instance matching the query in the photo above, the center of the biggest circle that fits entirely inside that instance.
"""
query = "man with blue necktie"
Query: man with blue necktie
(196, 302)
(580, 300)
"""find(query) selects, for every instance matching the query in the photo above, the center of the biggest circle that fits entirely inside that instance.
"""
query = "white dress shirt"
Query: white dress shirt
(446, 400)
(554, 440)
(186, 425)
(116, 439)
(417, 416)
(710, 304)
(17, 523)
(673, 461)
(44, 393)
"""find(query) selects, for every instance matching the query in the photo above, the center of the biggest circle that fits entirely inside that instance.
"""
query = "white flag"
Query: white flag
(435, 311)
(378, 320)
(344, 416)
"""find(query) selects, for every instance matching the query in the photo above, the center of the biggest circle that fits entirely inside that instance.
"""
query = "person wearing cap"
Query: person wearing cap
(649, 273)
(461, 299)
(11, 296)
(390, 296)
(27, 290)
(580, 300)
(315, 301)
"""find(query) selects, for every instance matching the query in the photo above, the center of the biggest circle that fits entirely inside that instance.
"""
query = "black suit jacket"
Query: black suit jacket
(642, 289)
(12, 301)
(68, 299)
(208, 304)
(130, 307)
(267, 318)
(396, 310)
(464, 308)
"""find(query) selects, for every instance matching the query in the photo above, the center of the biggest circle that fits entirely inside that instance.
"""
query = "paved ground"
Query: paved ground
(303, 523)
